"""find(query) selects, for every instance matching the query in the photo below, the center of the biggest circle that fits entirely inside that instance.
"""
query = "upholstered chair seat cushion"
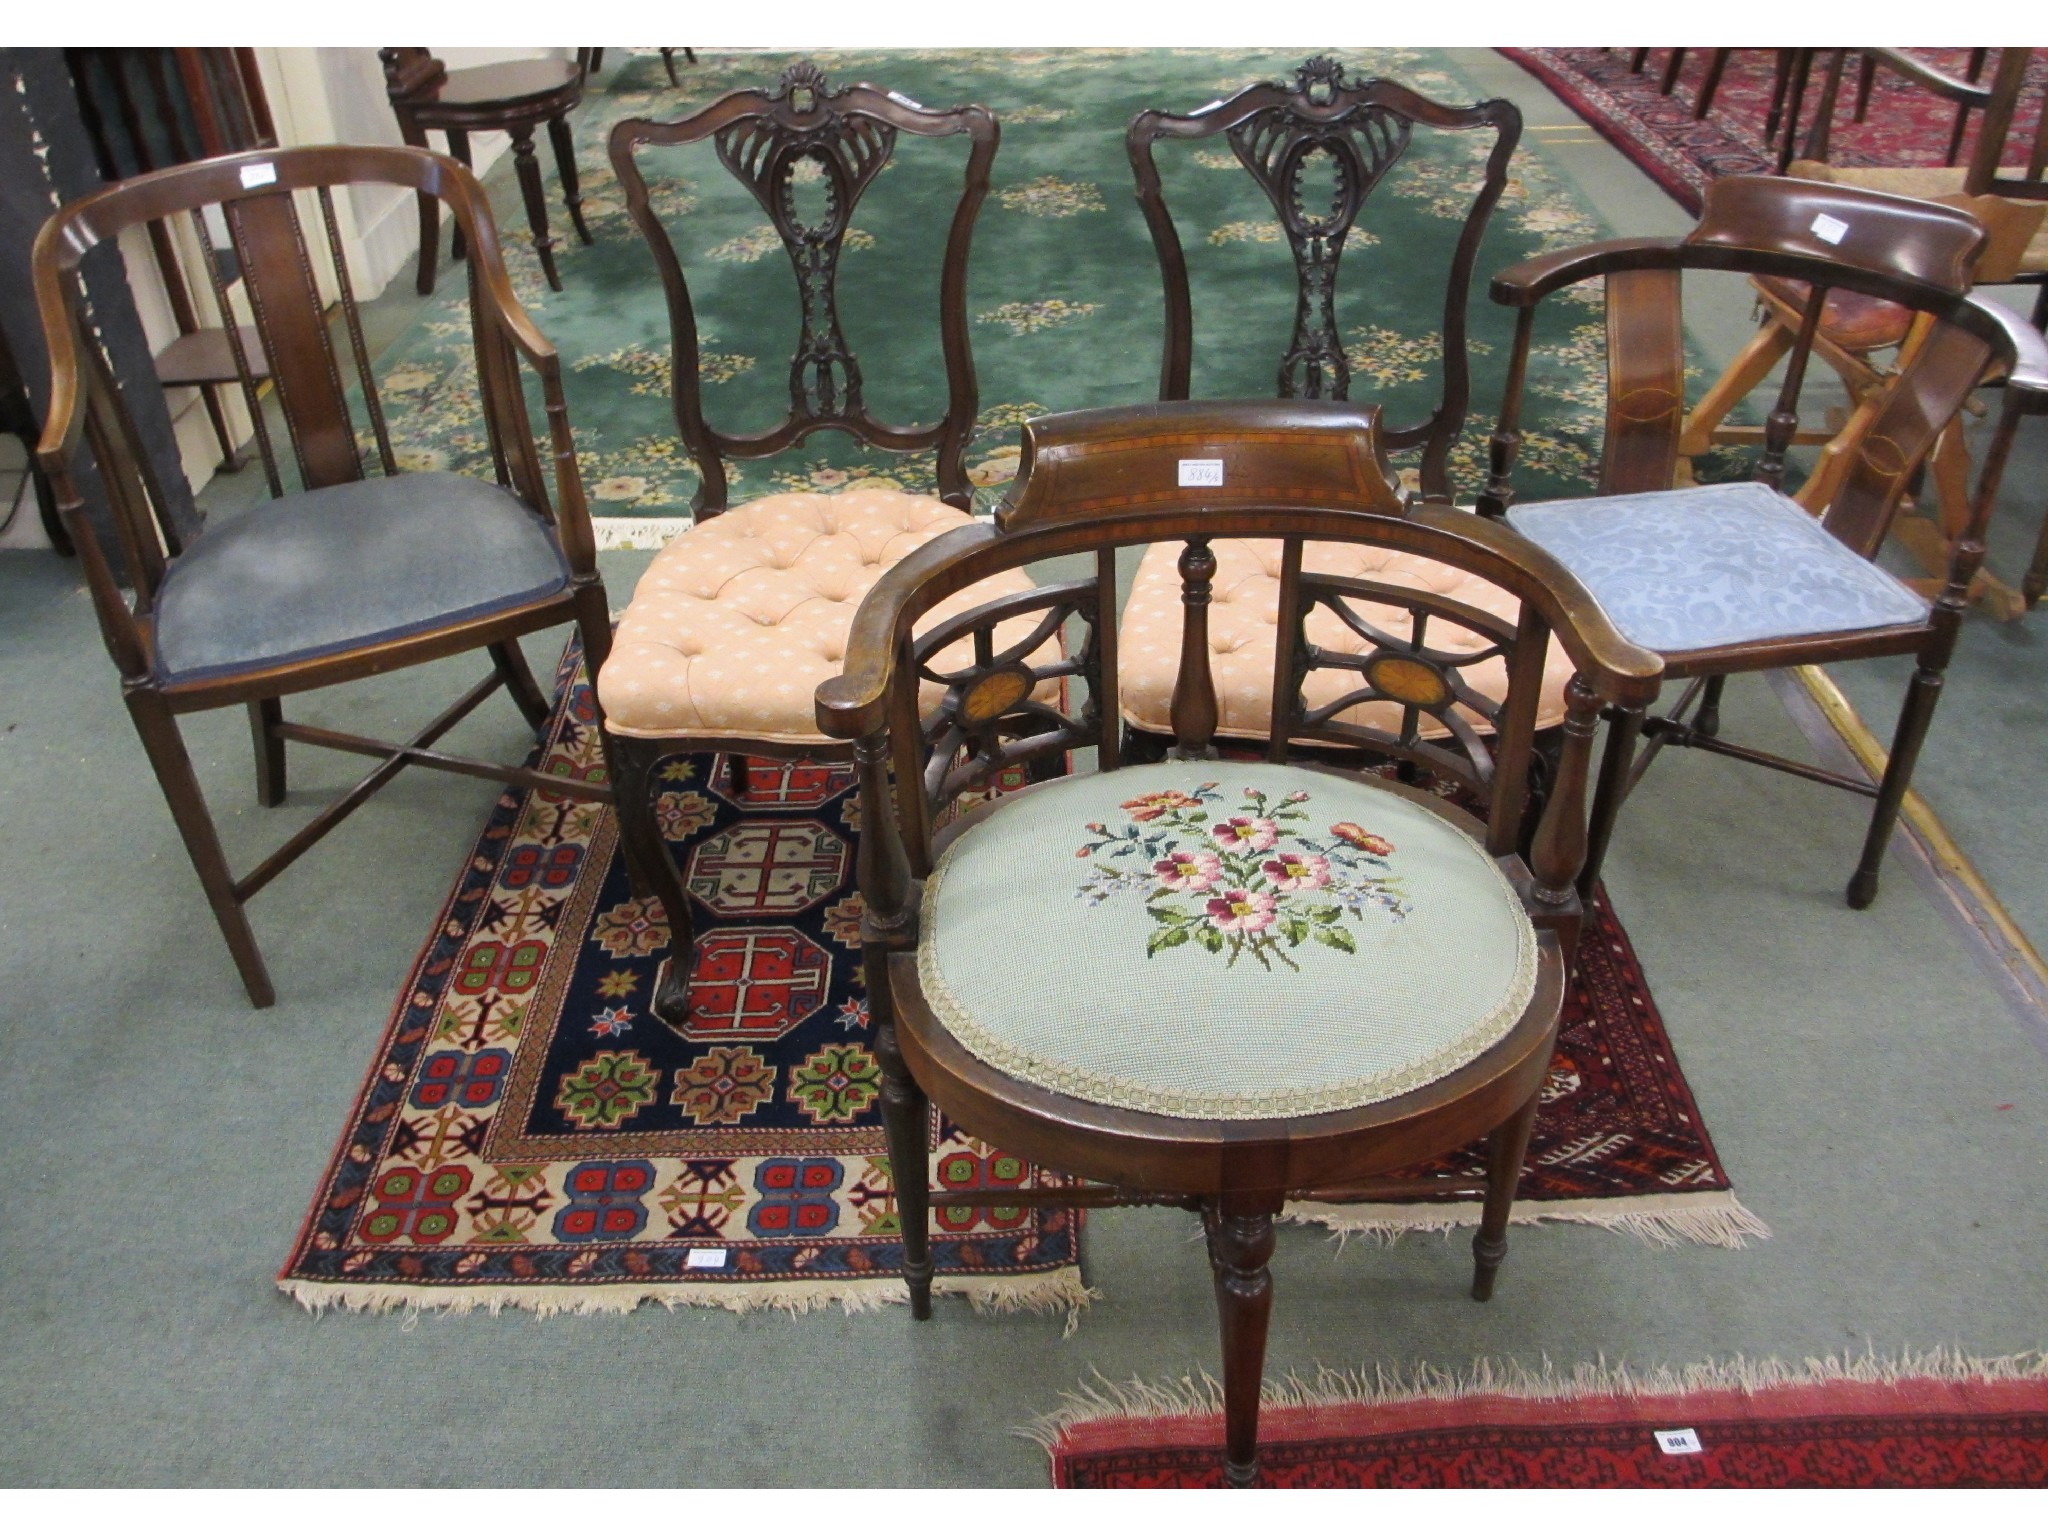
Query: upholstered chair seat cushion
(739, 618)
(317, 572)
(1223, 940)
(1716, 565)
(1244, 615)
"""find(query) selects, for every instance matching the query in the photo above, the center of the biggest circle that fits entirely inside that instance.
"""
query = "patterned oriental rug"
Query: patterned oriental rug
(1942, 1421)
(530, 1134)
(1904, 125)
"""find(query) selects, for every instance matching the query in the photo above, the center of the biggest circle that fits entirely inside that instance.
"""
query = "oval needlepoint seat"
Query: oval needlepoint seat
(1233, 941)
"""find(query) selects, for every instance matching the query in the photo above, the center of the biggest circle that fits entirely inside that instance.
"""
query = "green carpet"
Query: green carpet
(1064, 296)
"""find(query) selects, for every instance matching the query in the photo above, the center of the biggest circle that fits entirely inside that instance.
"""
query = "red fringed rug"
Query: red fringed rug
(1904, 125)
(1938, 1422)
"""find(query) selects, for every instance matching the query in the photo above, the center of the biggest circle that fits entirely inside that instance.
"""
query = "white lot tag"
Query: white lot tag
(1201, 471)
(714, 1258)
(262, 174)
(1829, 228)
(1675, 1442)
(902, 100)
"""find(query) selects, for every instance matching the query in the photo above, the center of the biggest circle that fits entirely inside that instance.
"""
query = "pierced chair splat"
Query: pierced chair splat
(1318, 146)
(1739, 577)
(1215, 985)
(742, 615)
(354, 573)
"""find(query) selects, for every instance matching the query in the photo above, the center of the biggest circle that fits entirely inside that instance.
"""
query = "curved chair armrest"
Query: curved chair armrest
(2028, 379)
(1528, 281)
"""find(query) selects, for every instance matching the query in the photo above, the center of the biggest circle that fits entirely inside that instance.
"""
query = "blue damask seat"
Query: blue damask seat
(1716, 565)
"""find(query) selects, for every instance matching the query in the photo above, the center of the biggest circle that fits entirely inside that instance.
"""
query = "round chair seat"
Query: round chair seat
(740, 617)
(1223, 940)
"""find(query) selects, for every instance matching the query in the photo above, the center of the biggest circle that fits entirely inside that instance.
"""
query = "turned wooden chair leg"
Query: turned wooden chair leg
(2036, 580)
(1707, 720)
(1624, 730)
(1915, 715)
(668, 62)
(906, 1114)
(458, 146)
(173, 766)
(528, 170)
(565, 166)
(1717, 61)
(1637, 59)
(519, 682)
(265, 716)
(1240, 1233)
(1505, 1149)
(651, 865)
(1672, 66)
(1866, 77)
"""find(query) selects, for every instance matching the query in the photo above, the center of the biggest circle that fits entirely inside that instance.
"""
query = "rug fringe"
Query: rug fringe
(1059, 1290)
(1380, 1385)
(1715, 1218)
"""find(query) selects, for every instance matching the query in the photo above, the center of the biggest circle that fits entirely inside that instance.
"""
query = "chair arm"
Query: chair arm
(1526, 282)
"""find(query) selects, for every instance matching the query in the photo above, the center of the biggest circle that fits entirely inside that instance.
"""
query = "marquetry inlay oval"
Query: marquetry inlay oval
(987, 697)
(1409, 681)
(1884, 456)
(1647, 404)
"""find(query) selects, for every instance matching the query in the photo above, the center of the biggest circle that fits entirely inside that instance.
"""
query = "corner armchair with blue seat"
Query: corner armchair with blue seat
(348, 573)
(1738, 577)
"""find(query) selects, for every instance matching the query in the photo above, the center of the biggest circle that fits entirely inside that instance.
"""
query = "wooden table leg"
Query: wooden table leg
(536, 201)
(565, 163)
(458, 146)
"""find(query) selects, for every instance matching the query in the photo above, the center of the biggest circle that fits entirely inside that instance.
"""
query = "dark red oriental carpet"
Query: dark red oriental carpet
(1966, 1428)
(1904, 124)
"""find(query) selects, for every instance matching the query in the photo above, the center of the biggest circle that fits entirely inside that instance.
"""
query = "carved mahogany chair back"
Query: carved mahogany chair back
(264, 225)
(1279, 133)
(770, 140)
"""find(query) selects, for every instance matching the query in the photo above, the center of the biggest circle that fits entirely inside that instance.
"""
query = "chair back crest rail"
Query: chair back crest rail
(246, 216)
(771, 141)
(988, 718)
(1916, 254)
(1362, 130)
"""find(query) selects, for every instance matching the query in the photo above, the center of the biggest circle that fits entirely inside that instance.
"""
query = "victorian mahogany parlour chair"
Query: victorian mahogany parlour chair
(1739, 577)
(352, 573)
(515, 98)
(1220, 985)
(1318, 147)
(742, 615)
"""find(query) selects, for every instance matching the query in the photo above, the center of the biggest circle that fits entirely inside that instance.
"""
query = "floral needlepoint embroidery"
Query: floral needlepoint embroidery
(1256, 881)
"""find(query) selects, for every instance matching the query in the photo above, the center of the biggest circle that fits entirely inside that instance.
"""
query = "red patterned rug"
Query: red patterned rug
(1942, 1421)
(531, 1134)
(1904, 124)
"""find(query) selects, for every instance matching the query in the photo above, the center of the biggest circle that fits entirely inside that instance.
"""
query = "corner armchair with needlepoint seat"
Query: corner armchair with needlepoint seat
(1719, 579)
(1317, 146)
(357, 568)
(1219, 985)
(741, 616)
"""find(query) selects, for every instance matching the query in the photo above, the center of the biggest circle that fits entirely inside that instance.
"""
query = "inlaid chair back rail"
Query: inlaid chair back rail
(1365, 128)
(874, 702)
(849, 136)
(344, 573)
(276, 265)
(1912, 253)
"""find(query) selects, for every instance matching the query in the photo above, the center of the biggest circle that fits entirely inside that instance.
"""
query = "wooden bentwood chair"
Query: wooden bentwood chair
(741, 616)
(1216, 985)
(1731, 578)
(354, 574)
(1318, 147)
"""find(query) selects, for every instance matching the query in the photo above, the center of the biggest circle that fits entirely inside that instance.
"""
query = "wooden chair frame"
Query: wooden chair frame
(1366, 126)
(255, 194)
(1084, 489)
(761, 136)
(1894, 248)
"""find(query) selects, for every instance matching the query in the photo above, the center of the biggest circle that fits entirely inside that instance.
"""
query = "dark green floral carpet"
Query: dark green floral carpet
(1064, 293)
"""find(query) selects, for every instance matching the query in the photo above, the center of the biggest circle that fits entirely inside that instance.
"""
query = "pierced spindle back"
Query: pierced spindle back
(774, 141)
(1280, 133)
